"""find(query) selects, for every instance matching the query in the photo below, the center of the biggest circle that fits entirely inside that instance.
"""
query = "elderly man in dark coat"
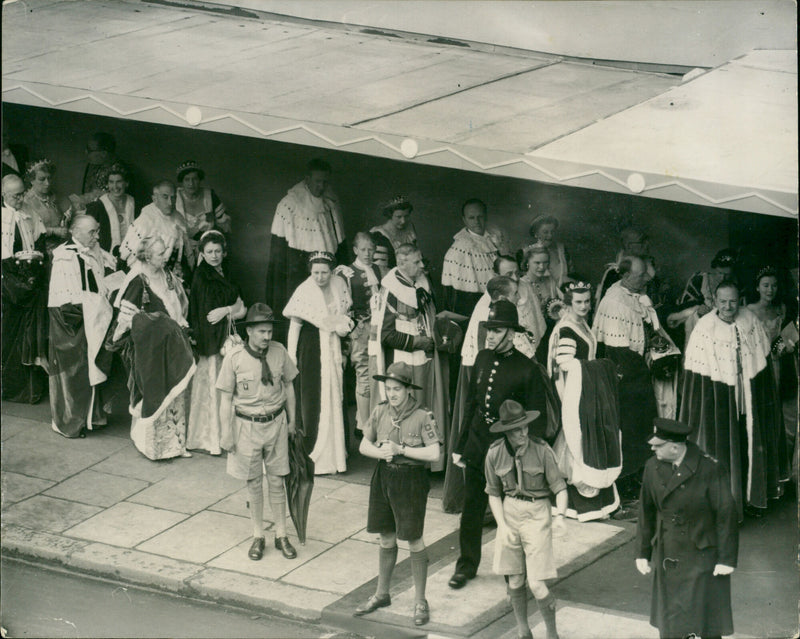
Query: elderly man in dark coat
(687, 527)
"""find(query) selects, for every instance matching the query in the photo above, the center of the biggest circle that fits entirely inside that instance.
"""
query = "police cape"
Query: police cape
(731, 403)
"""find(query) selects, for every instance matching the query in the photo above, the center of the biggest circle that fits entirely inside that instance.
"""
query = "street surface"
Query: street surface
(38, 602)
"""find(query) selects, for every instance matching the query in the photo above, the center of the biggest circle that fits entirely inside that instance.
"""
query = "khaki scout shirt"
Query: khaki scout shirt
(532, 472)
(413, 426)
(240, 374)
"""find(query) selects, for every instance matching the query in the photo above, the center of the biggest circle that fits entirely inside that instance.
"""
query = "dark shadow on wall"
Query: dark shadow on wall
(252, 175)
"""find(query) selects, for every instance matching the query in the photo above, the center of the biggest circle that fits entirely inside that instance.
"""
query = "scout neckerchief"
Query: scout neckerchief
(266, 373)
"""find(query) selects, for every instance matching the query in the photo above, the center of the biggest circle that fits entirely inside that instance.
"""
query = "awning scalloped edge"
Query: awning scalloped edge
(615, 183)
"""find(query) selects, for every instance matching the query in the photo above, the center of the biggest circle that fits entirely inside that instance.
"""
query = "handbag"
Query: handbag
(232, 340)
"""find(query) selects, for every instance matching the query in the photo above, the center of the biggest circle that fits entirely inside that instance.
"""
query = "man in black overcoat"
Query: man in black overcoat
(688, 532)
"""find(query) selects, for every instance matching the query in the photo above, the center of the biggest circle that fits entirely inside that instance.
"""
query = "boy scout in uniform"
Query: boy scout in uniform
(521, 473)
(256, 378)
(403, 436)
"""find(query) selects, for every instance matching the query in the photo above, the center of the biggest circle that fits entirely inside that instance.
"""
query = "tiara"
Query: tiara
(38, 165)
(398, 202)
(765, 271)
(536, 247)
(211, 232)
(579, 286)
(321, 256)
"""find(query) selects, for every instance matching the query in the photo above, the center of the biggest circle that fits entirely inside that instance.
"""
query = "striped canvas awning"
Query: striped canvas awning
(726, 138)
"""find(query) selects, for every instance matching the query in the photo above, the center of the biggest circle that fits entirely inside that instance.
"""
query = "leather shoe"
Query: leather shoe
(256, 551)
(372, 604)
(422, 613)
(283, 544)
(458, 580)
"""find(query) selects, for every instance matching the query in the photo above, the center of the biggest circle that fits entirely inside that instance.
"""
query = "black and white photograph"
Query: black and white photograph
(400, 319)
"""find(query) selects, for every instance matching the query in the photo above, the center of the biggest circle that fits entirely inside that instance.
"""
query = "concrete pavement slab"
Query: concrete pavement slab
(188, 492)
(273, 565)
(38, 413)
(129, 462)
(13, 425)
(126, 524)
(135, 566)
(41, 453)
(37, 545)
(352, 493)
(342, 568)
(332, 520)
(588, 622)
(284, 599)
(236, 504)
(16, 487)
(323, 489)
(48, 514)
(97, 489)
(200, 538)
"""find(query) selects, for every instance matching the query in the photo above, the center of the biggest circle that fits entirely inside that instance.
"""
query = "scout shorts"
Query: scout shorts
(398, 495)
(531, 549)
(260, 446)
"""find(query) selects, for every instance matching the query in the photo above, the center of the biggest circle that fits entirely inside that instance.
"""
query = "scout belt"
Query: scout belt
(262, 419)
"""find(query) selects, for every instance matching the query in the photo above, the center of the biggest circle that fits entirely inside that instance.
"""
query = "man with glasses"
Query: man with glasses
(24, 298)
(79, 314)
(687, 536)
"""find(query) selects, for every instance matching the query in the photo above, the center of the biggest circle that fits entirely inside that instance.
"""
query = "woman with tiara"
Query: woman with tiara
(319, 312)
(588, 446)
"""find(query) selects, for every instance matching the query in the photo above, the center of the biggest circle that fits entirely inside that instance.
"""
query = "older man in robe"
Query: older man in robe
(24, 297)
(80, 315)
(730, 400)
(628, 330)
(403, 332)
(469, 260)
(308, 219)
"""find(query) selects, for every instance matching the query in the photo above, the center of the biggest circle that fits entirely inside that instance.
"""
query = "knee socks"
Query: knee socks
(277, 501)
(255, 493)
(519, 602)
(387, 558)
(547, 607)
(419, 571)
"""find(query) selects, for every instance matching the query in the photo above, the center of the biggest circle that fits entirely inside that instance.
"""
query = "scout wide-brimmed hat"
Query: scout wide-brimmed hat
(259, 313)
(399, 372)
(512, 415)
(188, 167)
(668, 430)
(503, 314)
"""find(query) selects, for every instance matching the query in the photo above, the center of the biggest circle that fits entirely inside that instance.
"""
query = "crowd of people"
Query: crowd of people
(533, 390)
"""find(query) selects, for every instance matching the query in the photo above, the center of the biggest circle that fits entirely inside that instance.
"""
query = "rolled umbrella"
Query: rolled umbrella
(299, 484)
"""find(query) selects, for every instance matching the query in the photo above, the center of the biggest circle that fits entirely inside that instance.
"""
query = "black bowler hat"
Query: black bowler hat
(512, 415)
(503, 314)
(668, 430)
(259, 313)
(399, 372)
